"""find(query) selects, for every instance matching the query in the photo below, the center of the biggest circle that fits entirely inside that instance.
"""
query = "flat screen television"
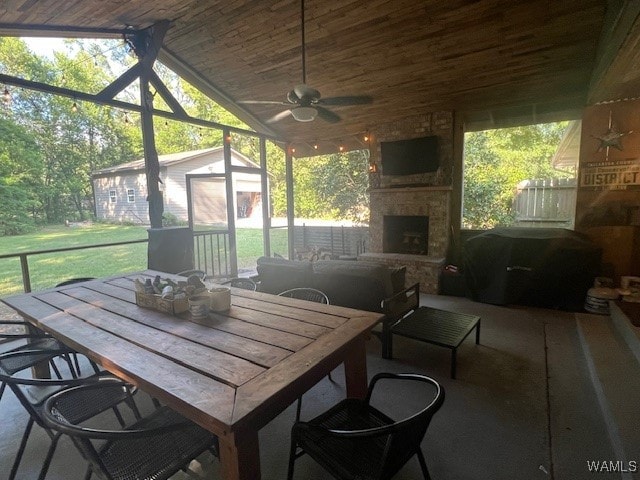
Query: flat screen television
(407, 157)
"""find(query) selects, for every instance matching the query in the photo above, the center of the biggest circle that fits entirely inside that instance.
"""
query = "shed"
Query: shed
(120, 192)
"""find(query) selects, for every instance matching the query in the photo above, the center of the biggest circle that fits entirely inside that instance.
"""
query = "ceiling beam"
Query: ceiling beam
(61, 31)
(620, 17)
(89, 97)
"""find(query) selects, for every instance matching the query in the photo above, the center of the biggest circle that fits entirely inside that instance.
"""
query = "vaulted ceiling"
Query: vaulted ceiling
(498, 62)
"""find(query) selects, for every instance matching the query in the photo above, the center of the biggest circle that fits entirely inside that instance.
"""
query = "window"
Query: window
(521, 176)
(131, 195)
(112, 196)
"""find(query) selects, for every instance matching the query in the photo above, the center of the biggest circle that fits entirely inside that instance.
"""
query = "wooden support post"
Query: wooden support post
(290, 210)
(264, 189)
(147, 44)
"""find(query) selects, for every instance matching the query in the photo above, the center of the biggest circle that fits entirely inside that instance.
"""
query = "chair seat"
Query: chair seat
(341, 456)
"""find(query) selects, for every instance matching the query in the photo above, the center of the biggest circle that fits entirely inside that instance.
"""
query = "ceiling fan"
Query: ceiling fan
(304, 102)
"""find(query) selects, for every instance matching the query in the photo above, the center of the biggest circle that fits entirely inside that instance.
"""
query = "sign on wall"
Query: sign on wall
(610, 169)
(611, 175)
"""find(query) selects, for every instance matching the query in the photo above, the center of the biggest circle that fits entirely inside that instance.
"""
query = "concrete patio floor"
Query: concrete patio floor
(524, 405)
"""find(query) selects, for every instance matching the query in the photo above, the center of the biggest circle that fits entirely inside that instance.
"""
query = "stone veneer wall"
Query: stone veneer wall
(421, 194)
(438, 123)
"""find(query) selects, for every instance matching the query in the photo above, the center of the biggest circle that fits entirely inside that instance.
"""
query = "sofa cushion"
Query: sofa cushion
(398, 279)
(369, 270)
(280, 274)
(346, 290)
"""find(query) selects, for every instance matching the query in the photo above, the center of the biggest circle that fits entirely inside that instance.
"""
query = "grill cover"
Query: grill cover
(550, 267)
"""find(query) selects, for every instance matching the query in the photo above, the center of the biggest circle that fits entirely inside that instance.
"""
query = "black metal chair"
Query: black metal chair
(312, 295)
(242, 282)
(32, 393)
(200, 273)
(44, 347)
(71, 281)
(356, 440)
(154, 447)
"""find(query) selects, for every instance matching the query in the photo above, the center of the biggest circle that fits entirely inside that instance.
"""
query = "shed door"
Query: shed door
(209, 219)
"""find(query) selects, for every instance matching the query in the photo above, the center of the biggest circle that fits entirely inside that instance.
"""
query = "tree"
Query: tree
(71, 139)
(20, 164)
(495, 161)
(332, 186)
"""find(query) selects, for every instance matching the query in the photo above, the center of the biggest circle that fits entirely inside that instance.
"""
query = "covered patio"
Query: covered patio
(526, 403)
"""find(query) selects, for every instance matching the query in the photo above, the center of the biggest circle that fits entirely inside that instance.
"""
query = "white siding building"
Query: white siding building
(121, 191)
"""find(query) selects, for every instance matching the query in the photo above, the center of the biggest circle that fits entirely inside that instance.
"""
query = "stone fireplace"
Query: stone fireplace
(409, 221)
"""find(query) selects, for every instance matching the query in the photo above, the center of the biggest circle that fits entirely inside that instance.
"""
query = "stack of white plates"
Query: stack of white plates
(597, 300)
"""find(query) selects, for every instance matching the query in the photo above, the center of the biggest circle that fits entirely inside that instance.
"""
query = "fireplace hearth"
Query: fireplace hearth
(408, 234)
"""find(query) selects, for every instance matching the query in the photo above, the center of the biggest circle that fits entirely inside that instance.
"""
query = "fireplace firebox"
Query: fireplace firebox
(406, 234)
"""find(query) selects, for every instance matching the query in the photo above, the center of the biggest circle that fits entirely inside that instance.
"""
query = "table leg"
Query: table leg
(39, 370)
(355, 369)
(387, 340)
(478, 332)
(240, 456)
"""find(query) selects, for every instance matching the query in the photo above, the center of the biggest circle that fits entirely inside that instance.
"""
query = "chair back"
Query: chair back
(377, 445)
(403, 437)
(60, 413)
(31, 392)
(187, 273)
(156, 446)
(240, 282)
(310, 294)
(71, 281)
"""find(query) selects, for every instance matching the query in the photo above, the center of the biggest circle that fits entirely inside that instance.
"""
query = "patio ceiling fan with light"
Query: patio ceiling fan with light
(304, 102)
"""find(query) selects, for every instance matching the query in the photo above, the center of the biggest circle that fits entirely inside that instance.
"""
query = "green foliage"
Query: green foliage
(70, 144)
(20, 162)
(496, 161)
(332, 186)
(170, 220)
(48, 151)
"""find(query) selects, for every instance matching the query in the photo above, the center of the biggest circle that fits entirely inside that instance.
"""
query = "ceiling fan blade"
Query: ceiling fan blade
(279, 116)
(262, 102)
(327, 115)
(348, 100)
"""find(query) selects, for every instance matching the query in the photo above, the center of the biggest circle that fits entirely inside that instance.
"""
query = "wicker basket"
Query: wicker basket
(173, 307)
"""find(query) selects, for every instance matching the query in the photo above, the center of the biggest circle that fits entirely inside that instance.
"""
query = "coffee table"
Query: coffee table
(438, 327)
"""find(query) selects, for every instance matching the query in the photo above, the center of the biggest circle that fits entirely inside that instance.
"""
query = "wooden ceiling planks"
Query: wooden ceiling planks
(412, 57)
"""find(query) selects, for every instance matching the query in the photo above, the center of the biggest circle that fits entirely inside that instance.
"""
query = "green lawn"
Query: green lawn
(48, 269)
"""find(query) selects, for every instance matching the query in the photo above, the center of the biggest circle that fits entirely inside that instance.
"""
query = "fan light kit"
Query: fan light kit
(304, 114)
(304, 102)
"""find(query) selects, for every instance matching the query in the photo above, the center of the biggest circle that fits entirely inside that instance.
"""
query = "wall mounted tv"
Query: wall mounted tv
(407, 157)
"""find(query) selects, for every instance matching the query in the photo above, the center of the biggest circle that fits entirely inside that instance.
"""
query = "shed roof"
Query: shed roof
(170, 159)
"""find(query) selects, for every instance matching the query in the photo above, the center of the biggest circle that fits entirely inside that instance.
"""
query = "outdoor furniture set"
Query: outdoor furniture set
(252, 362)
(374, 287)
(232, 372)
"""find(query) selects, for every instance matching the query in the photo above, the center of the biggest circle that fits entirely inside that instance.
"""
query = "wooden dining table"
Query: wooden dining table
(231, 373)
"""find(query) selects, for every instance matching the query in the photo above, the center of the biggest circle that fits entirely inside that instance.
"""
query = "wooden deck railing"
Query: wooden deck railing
(24, 257)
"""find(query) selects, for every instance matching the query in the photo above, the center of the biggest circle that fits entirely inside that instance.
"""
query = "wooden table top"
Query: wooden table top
(232, 371)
